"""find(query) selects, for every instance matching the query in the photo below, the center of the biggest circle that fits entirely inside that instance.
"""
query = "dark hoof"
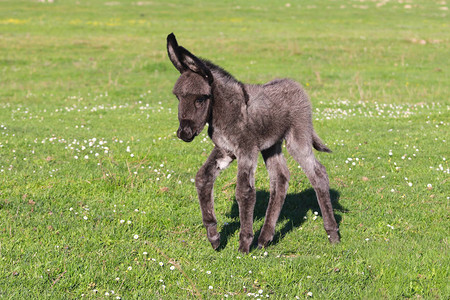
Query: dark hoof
(215, 243)
(334, 237)
(265, 237)
(244, 249)
(263, 244)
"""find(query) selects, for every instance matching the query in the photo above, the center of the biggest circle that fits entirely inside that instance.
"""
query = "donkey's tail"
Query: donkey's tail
(318, 144)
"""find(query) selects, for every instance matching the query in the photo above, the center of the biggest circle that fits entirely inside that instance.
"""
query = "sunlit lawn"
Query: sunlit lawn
(97, 198)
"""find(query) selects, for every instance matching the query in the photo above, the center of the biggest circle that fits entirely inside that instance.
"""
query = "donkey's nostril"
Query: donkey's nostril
(185, 133)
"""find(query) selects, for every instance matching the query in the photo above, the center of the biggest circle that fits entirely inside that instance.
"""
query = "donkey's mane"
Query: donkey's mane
(226, 77)
(215, 68)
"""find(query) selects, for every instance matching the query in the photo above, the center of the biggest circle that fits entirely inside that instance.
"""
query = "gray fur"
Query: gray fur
(244, 120)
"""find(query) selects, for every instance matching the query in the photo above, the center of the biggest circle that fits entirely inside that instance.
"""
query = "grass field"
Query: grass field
(97, 198)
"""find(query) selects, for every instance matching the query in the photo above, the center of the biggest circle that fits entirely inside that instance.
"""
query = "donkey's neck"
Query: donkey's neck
(229, 108)
(229, 97)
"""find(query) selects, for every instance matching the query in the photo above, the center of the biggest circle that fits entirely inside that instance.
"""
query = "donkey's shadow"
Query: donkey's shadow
(294, 210)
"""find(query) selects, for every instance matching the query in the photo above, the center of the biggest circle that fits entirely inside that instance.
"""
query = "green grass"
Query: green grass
(81, 81)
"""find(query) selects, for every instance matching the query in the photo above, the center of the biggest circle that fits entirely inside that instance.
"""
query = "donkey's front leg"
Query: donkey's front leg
(204, 181)
(246, 197)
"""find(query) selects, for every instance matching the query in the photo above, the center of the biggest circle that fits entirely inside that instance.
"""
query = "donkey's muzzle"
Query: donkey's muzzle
(186, 131)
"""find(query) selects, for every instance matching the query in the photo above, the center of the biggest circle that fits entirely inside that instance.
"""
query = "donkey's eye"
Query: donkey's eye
(201, 99)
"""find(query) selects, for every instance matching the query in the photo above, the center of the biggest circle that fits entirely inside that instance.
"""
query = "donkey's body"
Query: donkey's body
(243, 121)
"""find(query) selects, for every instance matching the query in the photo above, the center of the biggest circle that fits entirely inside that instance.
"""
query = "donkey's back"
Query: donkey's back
(285, 97)
(277, 109)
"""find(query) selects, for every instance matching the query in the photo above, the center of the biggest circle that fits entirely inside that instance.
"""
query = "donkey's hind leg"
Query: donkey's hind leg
(204, 181)
(300, 147)
(279, 182)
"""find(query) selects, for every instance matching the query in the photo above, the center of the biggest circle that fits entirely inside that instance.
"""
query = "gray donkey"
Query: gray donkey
(244, 120)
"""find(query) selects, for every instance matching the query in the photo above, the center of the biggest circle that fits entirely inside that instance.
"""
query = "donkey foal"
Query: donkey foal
(244, 120)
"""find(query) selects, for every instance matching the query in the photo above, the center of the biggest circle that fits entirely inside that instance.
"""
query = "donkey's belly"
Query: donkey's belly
(267, 143)
(268, 133)
(248, 140)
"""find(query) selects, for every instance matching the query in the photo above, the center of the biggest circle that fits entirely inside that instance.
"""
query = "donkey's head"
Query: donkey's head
(193, 90)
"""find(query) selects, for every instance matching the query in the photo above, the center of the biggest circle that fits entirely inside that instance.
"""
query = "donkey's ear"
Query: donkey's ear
(173, 50)
(195, 64)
